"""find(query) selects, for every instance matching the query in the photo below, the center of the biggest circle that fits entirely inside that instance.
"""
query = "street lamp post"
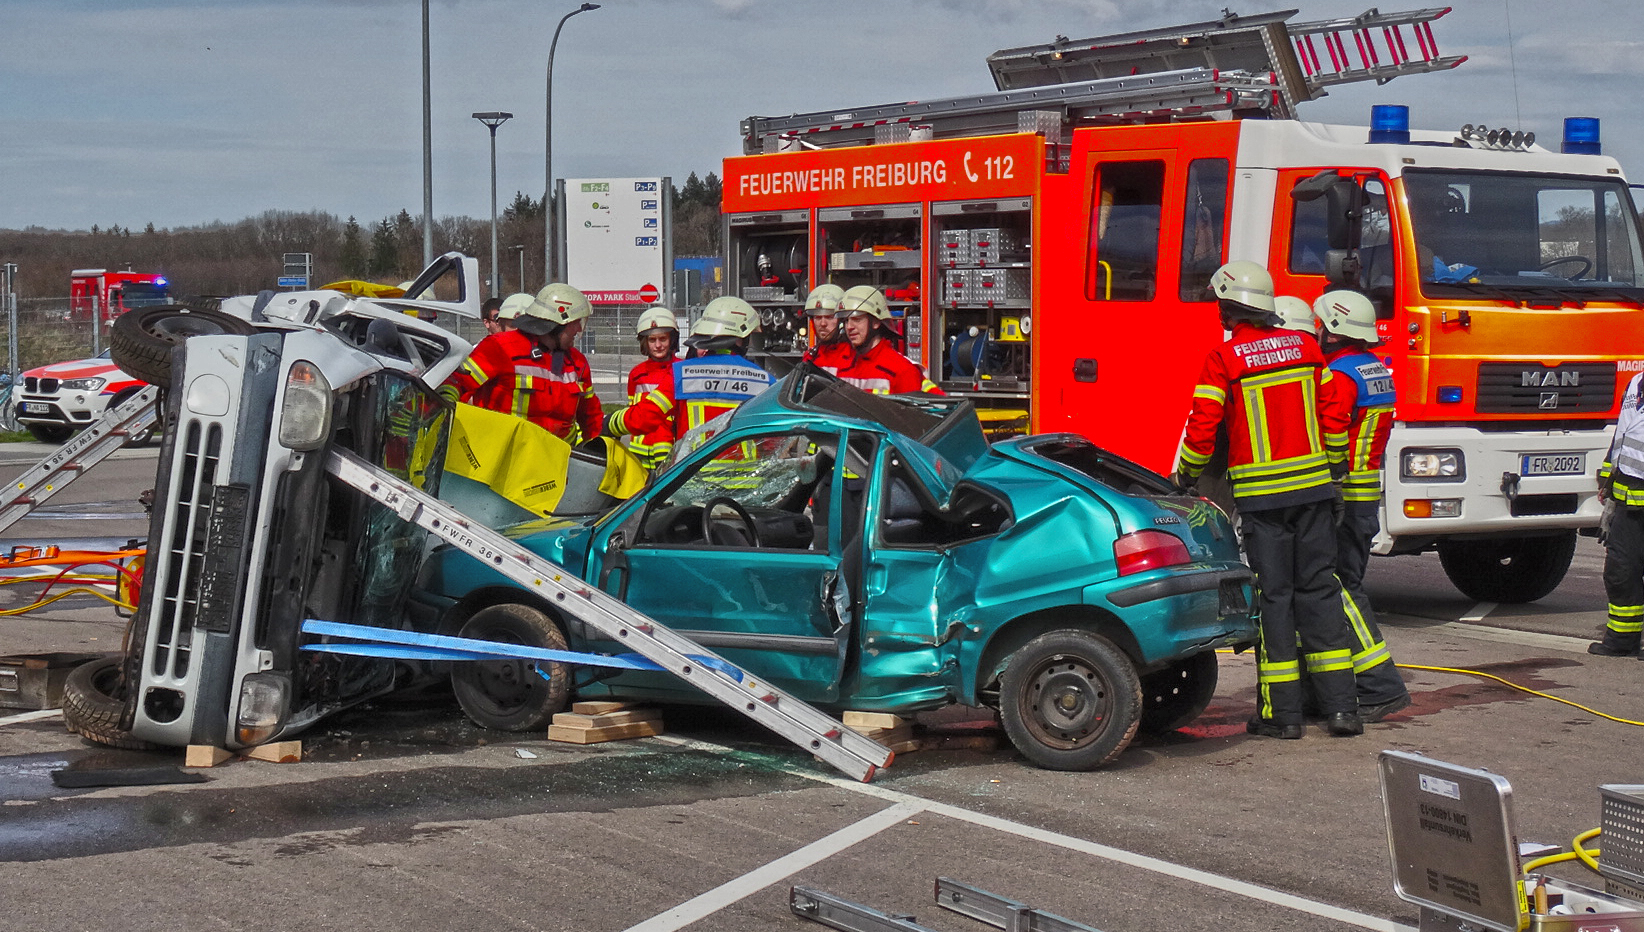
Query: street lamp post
(521, 250)
(548, 157)
(427, 152)
(492, 120)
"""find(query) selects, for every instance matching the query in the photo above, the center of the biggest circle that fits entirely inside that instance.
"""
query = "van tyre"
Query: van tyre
(1178, 694)
(1511, 569)
(508, 695)
(1070, 700)
(141, 340)
(93, 702)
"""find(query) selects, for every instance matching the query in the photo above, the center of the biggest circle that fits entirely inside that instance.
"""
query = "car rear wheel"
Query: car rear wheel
(1070, 700)
(509, 695)
(49, 433)
(141, 340)
(1179, 693)
(93, 702)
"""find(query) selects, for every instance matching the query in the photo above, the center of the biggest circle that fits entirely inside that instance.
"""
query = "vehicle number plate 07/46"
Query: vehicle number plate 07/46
(1552, 464)
(35, 407)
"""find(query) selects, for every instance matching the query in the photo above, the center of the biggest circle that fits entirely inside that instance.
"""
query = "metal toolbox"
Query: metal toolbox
(953, 247)
(35, 681)
(876, 259)
(995, 285)
(992, 245)
(1621, 816)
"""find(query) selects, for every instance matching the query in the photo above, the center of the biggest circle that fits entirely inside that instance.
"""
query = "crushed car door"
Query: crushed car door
(740, 551)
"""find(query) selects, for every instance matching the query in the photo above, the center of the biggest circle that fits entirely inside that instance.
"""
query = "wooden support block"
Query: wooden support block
(628, 716)
(887, 736)
(903, 747)
(599, 708)
(861, 720)
(607, 733)
(280, 752)
(204, 755)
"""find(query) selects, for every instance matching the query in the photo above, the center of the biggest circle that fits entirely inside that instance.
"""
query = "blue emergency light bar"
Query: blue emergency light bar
(1581, 136)
(159, 281)
(1390, 123)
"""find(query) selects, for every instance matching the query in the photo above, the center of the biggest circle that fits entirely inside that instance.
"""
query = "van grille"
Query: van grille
(1530, 388)
(186, 548)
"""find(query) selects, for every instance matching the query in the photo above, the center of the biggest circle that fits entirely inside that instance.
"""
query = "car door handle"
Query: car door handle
(878, 578)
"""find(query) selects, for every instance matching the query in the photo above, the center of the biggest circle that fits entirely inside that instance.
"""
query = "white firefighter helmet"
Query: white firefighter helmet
(726, 316)
(823, 301)
(1244, 282)
(555, 306)
(1348, 314)
(1296, 314)
(656, 317)
(514, 305)
(864, 299)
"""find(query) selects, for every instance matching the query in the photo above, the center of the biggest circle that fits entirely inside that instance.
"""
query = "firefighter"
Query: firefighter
(872, 364)
(1284, 451)
(651, 381)
(533, 371)
(488, 315)
(830, 351)
(1296, 314)
(1621, 488)
(1360, 382)
(511, 307)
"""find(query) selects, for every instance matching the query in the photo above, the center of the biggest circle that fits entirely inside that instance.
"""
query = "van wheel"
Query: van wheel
(141, 340)
(1179, 693)
(1508, 569)
(509, 695)
(1070, 700)
(93, 700)
(49, 433)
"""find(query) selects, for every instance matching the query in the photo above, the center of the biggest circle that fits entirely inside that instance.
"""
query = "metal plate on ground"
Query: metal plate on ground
(1450, 833)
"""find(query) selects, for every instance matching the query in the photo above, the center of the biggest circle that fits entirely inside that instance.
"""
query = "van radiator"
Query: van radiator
(186, 544)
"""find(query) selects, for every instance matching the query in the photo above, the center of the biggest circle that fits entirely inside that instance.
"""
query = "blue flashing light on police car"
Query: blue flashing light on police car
(1390, 123)
(1581, 136)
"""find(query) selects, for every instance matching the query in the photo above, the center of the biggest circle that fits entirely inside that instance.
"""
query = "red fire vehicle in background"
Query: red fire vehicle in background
(1050, 245)
(102, 293)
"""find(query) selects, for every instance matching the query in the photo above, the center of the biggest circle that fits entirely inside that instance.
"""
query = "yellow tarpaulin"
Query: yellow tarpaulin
(526, 464)
(364, 289)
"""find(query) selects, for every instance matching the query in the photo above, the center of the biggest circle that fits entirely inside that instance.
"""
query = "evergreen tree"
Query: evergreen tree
(351, 257)
(385, 257)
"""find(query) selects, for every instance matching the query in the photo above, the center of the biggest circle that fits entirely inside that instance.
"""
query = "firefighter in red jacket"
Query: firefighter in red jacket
(830, 351)
(873, 365)
(1284, 453)
(533, 371)
(653, 379)
(1362, 384)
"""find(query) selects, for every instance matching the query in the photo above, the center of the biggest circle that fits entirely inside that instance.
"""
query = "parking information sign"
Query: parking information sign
(616, 238)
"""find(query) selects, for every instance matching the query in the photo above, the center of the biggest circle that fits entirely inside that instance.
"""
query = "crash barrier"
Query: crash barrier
(823, 736)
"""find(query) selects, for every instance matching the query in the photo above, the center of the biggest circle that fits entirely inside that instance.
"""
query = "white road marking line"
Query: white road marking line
(1479, 611)
(789, 864)
(30, 716)
(1509, 636)
(1106, 852)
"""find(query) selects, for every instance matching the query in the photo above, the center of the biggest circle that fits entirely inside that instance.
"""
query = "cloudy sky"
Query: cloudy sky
(179, 112)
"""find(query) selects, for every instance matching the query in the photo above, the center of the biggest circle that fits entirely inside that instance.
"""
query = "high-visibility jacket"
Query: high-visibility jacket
(649, 418)
(707, 386)
(831, 357)
(883, 371)
(1287, 440)
(510, 372)
(1623, 468)
(1360, 381)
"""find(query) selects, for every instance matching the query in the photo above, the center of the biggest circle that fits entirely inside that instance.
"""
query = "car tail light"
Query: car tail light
(1140, 551)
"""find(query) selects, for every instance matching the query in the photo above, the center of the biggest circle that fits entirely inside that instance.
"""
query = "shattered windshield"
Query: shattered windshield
(1478, 232)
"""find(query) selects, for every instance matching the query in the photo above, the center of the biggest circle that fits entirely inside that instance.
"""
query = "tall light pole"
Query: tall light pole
(492, 120)
(548, 157)
(521, 250)
(427, 152)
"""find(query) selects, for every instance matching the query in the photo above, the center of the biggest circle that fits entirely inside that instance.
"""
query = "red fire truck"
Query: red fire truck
(108, 294)
(1047, 248)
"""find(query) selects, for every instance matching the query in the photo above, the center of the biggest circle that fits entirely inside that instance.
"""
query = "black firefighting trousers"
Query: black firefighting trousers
(1377, 678)
(1624, 578)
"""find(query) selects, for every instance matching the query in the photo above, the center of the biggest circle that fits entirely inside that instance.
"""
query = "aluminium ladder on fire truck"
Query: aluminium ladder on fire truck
(80, 453)
(1249, 63)
(805, 726)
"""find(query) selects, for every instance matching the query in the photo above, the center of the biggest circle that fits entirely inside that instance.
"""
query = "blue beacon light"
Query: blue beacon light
(1581, 136)
(1390, 123)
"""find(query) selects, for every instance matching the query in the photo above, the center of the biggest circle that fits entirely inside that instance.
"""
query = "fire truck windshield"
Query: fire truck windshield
(1483, 232)
(143, 294)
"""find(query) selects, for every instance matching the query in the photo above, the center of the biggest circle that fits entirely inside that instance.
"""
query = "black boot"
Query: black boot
(1267, 728)
(1343, 724)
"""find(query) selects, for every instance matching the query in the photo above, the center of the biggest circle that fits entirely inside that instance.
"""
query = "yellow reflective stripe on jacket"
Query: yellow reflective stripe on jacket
(1253, 389)
(1278, 467)
(1329, 661)
(1210, 393)
(1624, 492)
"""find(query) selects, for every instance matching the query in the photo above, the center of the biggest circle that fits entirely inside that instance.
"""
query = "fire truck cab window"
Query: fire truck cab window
(1309, 236)
(1202, 225)
(1124, 231)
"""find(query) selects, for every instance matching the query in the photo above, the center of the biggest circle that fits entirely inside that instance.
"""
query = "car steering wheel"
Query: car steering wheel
(742, 515)
(1586, 266)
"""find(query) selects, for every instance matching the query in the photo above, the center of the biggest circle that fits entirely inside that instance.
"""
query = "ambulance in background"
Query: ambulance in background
(1046, 249)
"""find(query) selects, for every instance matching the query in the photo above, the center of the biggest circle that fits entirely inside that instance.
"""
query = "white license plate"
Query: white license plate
(35, 407)
(1552, 464)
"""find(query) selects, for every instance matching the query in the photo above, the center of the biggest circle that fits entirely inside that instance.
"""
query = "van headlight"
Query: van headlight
(263, 700)
(1432, 465)
(305, 411)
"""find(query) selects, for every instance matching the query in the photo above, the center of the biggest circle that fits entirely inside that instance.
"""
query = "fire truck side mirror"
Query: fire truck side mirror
(1344, 201)
(1341, 268)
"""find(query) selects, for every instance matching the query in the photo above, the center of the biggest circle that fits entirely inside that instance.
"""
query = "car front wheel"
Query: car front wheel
(1070, 700)
(510, 695)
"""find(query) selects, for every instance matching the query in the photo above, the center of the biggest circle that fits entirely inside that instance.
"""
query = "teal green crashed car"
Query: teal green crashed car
(875, 553)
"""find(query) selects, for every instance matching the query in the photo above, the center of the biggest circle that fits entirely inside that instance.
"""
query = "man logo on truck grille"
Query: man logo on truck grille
(1549, 399)
(1549, 378)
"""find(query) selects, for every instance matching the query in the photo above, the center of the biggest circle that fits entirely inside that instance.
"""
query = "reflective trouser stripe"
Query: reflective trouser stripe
(1284, 672)
(1371, 652)
(1626, 619)
(1329, 661)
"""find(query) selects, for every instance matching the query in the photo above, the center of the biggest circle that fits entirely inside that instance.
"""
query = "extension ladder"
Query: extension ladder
(80, 453)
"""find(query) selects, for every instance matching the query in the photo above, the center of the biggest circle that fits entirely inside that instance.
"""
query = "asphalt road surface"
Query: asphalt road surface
(403, 817)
